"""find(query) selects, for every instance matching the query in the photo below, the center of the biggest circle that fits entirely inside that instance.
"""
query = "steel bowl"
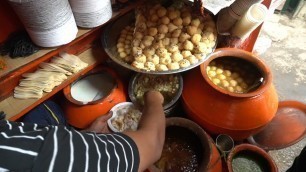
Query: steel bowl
(109, 41)
(168, 106)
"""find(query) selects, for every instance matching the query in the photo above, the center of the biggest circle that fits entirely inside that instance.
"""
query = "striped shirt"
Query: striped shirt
(30, 147)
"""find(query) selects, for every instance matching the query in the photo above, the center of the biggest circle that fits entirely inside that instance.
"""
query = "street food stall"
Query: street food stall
(101, 56)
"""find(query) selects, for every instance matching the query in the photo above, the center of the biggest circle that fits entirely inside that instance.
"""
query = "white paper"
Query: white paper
(215, 6)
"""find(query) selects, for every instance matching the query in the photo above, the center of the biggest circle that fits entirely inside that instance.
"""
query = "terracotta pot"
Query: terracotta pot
(256, 153)
(219, 111)
(209, 156)
(80, 114)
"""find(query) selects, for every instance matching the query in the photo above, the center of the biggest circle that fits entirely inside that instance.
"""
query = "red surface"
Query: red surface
(9, 21)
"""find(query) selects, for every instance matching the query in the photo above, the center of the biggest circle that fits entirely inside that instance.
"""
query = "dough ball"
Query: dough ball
(161, 11)
(196, 38)
(154, 59)
(138, 65)
(165, 60)
(188, 45)
(191, 30)
(173, 48)
(183, 37)
(173, 66)
(165, 20)
(184, 63)
(178, 22)
(154, 18)
(160, 36)
(196, 22)
(153, 31)
(136, 51)
(172, 27)
(120, 45)
(141, 27)
(122, 54)
(199, 56)
(161, 67)
(186, 53)
(149, 51)
(186, 21)
(200, 48)
(136, 43)
(176, 57)
(121, 50)
(161, 52)
(172, 14)
(166, 41)
(146, 42)
(176, 33)
(150, 66)
(173, 41)
(141, 58)
(192, 59)
(163, 29)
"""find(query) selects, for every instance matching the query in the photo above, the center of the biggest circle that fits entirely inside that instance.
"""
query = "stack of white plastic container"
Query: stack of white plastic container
(52, 23)
(91, 13)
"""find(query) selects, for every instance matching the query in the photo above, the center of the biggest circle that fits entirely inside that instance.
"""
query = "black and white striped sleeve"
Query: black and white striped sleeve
(57, 148)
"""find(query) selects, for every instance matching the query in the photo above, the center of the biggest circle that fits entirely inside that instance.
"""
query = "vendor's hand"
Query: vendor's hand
(100, 124)
(153, 97)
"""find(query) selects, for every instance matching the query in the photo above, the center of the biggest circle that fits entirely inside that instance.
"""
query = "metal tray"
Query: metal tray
(109, 41)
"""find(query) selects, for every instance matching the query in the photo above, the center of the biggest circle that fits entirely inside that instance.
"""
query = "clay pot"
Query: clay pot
(254, 152)
(81, 114)
(219, 111)
(209, 157)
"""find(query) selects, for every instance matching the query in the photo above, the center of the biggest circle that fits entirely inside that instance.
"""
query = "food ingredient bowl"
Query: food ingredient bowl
(170, 86)
(125, 117)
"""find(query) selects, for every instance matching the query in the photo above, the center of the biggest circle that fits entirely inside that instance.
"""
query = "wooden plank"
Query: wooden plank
(15, 108)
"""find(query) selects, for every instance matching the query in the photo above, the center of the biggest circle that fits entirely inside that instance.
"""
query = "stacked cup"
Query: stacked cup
(91, 13)
(49, 23)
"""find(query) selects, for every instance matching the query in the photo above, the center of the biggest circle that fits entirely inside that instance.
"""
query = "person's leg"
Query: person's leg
(47, 113)
(299, 164)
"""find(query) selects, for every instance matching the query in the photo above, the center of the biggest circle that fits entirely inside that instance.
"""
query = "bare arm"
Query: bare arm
(150, 135)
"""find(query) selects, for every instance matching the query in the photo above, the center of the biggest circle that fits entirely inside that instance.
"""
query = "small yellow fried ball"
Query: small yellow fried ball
(141, 58)
(166, 41)
(146, 42)
(161, 67)
(163, 29)
(196, 38)
(191, 30)
(186, 53)
(176, 33)
(186, 21)
(178, 21)
(120, 45)
(233, 83)
(153, 31)
(149, 51)
(186, 14)
(196, 22)
(136, 51)
(172, 14)
(192, 59)
(184, 63)
(122, 54)
(183, 37)
(188, 45)
(165, 60)
(173, 48)
(154, 18)
(199, 56)
(150, 66)
(138, 35)
(173, 41)
(216, 81)
(136, 43)
(154, 59)
(176, 57)
(120, 50)
(211, 73)
(161, 52)
(165, 20)
(173, 66)
(138, 65)
(172, 27)
(162, 11)
(225, 83)
(160, 36)
(200, 48)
